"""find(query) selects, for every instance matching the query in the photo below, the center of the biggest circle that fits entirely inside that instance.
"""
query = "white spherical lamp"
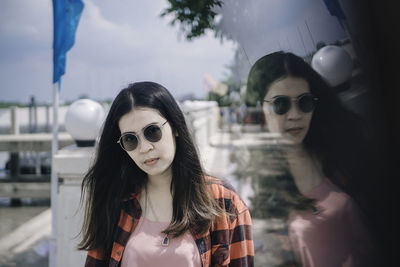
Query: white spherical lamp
(83, 121)
(334, 64)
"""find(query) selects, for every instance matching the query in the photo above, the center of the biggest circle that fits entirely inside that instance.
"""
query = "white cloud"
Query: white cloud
(116, 43)
(93, 20)
(22, 20)
(139, 45)
(265, 26)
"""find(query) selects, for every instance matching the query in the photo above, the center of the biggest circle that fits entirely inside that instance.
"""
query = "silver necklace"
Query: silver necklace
(165, 241)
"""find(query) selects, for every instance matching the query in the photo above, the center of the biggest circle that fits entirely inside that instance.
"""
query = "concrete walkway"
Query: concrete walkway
(27, 245)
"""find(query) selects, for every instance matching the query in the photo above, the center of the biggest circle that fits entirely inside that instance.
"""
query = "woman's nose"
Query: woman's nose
(294, 113)
(145, 145)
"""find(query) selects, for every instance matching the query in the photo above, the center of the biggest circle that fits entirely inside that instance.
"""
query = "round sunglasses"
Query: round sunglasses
(129, 141)
(282, 104)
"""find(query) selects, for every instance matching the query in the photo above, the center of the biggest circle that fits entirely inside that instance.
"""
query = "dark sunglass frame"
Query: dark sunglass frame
(120, 142)
(289, 100)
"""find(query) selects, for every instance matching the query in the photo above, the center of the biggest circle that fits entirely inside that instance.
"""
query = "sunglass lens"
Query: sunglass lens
(129, 142)
(281, 105)
(153, 133)
(306, 103)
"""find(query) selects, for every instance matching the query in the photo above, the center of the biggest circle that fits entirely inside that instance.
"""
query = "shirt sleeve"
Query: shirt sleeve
(241, 241)
(94, 259)
(231, 235)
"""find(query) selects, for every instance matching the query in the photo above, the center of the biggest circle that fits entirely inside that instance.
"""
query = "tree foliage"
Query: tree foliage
(223, 101)
(195, 16)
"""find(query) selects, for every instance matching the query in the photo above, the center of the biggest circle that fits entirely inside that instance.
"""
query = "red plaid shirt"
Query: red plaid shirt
(228, 242)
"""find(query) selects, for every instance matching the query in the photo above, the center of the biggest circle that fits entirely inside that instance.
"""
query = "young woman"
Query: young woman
(148, 202)
(326, 161)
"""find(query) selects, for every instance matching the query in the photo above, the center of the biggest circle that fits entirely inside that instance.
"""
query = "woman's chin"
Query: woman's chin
(158, 170)
(294, 139)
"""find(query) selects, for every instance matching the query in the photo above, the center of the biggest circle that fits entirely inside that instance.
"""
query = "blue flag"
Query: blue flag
(334, 8)
(66, 15)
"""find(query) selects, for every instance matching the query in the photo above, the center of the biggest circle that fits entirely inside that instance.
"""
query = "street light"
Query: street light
(84, 120)
(334, 64)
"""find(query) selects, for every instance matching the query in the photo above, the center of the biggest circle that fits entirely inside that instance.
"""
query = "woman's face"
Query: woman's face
(154, 158)
(293, 124)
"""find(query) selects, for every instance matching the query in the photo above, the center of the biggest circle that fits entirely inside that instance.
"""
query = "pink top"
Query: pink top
(334, 235)
(144, 248)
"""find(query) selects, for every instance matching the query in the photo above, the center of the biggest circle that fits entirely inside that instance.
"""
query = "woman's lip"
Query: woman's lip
(151, 161)
(295, 130)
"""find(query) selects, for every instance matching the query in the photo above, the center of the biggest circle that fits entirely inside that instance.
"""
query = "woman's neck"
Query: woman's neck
(305, 168)
(158, 192)
(160, 182)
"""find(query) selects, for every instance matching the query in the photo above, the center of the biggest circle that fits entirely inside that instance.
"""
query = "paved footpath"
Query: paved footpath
(27, 245)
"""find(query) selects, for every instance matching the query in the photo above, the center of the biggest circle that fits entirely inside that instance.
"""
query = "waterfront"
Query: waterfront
(13, 217)
(23, 235)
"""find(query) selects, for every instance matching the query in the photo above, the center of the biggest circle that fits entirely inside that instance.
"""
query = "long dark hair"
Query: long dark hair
(337, 136)
(114, 176)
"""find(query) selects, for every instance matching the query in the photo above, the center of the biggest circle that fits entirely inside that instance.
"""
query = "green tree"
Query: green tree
(222, 100)
(195, 16)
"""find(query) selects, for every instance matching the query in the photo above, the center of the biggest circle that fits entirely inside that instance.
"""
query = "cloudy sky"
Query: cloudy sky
(263, 26)
(118, 42)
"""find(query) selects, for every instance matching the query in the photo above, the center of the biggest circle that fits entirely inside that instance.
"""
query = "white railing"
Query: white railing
(202, 119)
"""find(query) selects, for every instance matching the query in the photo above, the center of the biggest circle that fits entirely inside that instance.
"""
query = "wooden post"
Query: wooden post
(35, 117)
(14, 121)
(14, 156)
(47, 118)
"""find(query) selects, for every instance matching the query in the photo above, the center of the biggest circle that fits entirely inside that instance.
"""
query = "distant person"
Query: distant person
(243, 114)
(220, 117)
(148, 201)
(231, 117)
(326, 159)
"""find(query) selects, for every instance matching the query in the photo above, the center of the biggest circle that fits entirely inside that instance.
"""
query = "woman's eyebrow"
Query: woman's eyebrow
(305, 93)
(280, 96)
(151, 123)
(274, 97)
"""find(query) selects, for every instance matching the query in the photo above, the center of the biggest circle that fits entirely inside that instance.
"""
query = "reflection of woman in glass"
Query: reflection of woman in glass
(148, 202)
(326, 226)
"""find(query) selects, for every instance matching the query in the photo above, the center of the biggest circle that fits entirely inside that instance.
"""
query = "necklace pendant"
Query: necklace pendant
(165, 241)
(314, 210)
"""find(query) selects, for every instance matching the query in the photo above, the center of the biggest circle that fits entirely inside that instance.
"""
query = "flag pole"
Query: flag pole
(54, 178)
(66, 15)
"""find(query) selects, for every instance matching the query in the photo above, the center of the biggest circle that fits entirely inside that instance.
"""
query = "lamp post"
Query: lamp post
(334, 64)
(83, 121)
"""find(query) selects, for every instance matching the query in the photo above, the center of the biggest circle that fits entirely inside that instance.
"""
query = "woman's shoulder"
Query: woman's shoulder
(331, 197)
(226, 195)
(220, 187)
